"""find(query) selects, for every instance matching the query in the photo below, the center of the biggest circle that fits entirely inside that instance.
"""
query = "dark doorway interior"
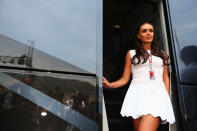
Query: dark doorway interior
(120, 21)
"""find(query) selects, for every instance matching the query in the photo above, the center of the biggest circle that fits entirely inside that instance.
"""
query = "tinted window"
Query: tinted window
(184, 24)
(42, 101)
(52, 35)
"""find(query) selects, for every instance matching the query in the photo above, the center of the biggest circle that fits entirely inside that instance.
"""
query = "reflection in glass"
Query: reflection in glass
(22, 110)
(17, 54)
(184, 23)
(57, 33)
(20, 114)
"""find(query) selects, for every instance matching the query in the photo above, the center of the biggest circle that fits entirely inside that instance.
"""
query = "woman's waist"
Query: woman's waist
(156, 81)
(146, 75)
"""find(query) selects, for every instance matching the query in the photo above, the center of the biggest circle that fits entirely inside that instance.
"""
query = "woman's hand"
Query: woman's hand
(106, 83)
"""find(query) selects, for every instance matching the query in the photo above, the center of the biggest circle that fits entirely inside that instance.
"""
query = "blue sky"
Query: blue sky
(63, 28)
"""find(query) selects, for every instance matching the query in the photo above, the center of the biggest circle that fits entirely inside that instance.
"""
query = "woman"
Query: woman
(147, 100)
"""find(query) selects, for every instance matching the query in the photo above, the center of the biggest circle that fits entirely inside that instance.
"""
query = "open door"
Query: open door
(120, 21)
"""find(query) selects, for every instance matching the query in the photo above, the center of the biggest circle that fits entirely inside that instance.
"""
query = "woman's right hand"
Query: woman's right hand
(106, 83)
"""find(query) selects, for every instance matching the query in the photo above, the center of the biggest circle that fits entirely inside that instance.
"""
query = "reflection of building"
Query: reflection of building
(24, 59)
(29, 59)
(9, 59)
(33, 57)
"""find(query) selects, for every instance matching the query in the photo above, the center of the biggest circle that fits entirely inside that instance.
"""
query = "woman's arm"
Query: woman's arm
(125, 76)
(166, 77)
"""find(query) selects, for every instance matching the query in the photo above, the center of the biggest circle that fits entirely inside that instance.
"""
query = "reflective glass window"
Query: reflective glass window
(184, 25)
(51, 35)
(47, 101)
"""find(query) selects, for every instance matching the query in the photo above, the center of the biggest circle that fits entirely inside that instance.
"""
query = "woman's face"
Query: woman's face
(146, 33)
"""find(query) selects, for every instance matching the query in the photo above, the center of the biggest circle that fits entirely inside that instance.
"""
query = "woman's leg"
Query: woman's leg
(149, 123)
(136, 123)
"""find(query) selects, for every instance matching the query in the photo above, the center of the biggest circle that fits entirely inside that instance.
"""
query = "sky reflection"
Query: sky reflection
(64, 29)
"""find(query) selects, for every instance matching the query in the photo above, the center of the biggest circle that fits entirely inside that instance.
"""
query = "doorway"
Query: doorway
(120, 21)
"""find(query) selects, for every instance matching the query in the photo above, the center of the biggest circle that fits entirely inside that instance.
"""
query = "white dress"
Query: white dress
(146, 96)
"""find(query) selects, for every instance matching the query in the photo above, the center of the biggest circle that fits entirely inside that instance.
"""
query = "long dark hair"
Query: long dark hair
(142, 53)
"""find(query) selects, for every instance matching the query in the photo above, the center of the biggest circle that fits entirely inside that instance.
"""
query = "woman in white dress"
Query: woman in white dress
(147, 100)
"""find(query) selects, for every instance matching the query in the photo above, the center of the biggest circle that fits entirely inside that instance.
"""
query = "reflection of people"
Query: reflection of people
(147, 100)
(189, 57)
(189, 54)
